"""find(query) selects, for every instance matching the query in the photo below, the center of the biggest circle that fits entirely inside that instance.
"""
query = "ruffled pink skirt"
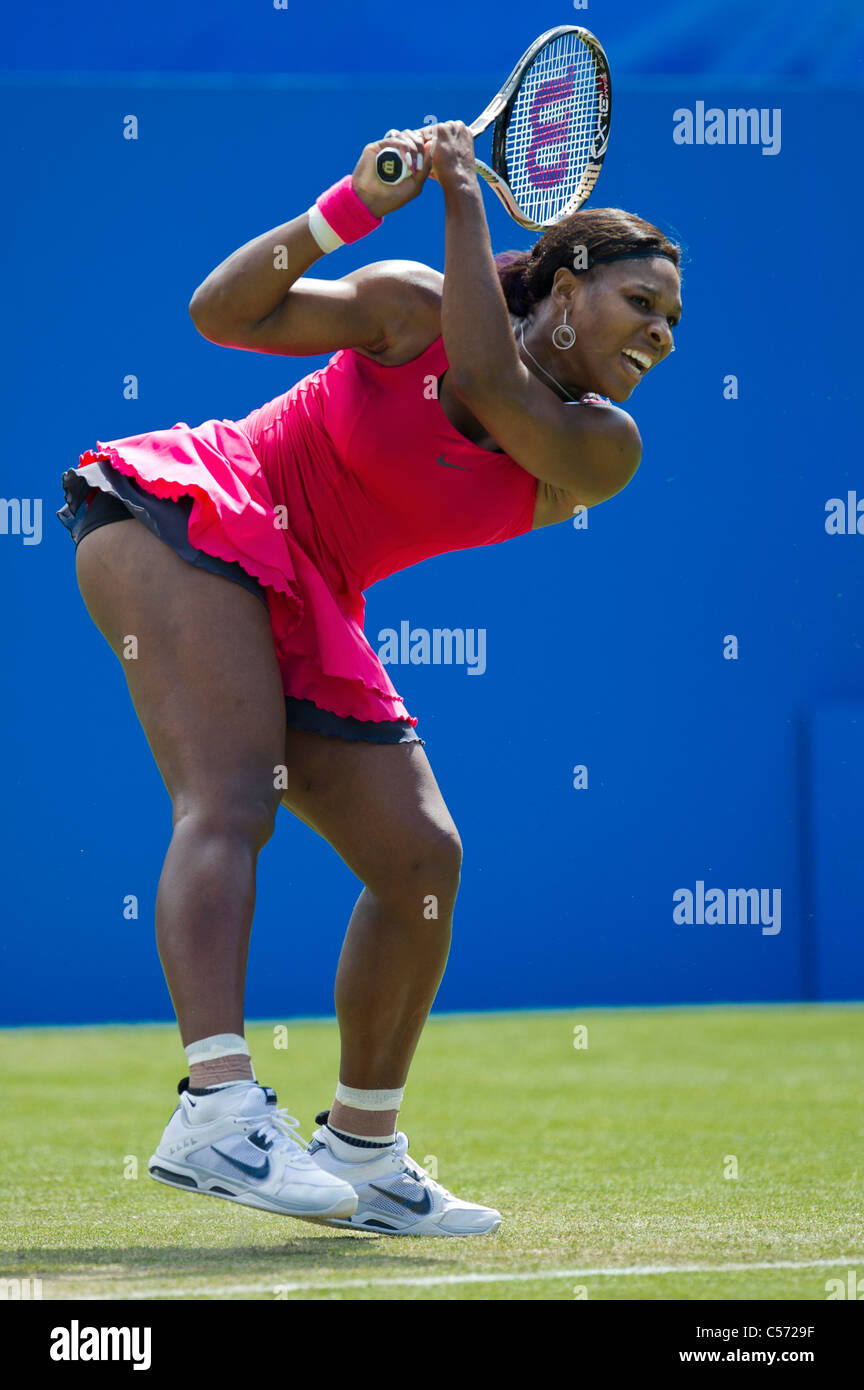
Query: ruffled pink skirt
(320, 645)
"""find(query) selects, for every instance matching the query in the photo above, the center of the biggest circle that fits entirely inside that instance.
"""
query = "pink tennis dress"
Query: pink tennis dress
(354, 473)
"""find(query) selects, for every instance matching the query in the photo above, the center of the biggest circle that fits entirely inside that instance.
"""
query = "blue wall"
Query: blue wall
(605, 646)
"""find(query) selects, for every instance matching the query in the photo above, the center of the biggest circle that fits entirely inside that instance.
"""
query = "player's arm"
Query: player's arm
(260, 297)
(365, 309)
(590, 451)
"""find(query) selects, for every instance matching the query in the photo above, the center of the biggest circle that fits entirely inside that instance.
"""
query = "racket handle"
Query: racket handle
(390, 166)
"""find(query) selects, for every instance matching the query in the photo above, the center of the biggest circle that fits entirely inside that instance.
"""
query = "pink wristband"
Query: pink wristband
(347, 214)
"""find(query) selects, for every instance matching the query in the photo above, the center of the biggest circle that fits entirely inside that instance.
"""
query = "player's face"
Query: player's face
(624, 312)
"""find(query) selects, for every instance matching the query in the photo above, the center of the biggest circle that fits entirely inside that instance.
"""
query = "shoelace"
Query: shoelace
(413, 1169)
(284, 1127)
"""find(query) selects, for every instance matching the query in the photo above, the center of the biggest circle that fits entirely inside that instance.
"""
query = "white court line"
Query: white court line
(433, 1280)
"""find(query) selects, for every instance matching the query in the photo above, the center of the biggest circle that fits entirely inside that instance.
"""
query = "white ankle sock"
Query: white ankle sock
(366, 1146)
(223, 1085)
(353, 1153)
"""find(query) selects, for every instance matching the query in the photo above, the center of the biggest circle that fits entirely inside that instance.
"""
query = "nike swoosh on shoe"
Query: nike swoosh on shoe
(420, 1207)
(261, 1171)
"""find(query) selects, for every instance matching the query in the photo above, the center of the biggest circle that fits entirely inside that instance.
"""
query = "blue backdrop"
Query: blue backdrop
(697, 648)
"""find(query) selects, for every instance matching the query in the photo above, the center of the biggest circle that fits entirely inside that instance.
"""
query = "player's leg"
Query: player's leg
(381, 808)
(204, 681)
(203, 677)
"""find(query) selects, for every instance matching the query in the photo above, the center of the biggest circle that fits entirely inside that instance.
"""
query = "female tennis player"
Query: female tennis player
(441, 421)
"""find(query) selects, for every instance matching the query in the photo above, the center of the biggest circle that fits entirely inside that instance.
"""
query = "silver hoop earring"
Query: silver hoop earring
(563, 336)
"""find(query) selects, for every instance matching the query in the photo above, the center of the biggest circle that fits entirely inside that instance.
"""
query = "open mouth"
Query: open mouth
(635, 369)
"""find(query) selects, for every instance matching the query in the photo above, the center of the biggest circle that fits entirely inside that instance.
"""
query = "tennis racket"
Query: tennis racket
(551, 129)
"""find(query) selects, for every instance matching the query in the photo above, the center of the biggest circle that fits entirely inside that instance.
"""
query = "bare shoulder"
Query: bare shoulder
(412, 294)
(413, 277)
(556, 504)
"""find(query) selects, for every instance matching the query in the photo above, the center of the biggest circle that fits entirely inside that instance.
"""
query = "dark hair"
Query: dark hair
(526, 276)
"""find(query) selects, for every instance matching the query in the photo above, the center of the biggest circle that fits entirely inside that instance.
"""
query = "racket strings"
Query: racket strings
(552, 128)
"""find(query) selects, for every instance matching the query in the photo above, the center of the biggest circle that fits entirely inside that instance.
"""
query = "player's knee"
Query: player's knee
(428, 861)
(243, 816)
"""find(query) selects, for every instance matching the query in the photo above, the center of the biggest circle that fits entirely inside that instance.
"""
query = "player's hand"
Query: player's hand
(450, 147)
(382, 198)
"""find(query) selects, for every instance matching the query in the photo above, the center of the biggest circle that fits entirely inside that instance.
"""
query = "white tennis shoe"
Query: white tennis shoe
(236, 1144)
(396, 1197)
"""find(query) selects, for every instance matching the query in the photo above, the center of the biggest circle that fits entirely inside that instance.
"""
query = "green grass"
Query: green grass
(602, 1159)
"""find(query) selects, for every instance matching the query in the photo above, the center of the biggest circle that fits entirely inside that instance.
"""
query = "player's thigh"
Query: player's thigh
(198, 655)
(378, 805)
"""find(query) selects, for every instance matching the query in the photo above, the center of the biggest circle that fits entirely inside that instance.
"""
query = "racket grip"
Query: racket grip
(390, 166)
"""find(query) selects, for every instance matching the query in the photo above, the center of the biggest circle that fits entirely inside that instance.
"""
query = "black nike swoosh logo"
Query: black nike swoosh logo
(262, 1170)
(440, 459)
(419, 1207)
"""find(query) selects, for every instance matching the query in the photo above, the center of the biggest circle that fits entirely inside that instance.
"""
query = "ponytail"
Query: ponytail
(511, 266)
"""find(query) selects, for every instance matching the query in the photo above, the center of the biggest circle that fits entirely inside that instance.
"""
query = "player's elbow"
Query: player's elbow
(201, 312)
(209, 315)
(198, 313)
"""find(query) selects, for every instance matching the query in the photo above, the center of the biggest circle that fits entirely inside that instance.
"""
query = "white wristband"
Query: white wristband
(322, 231)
